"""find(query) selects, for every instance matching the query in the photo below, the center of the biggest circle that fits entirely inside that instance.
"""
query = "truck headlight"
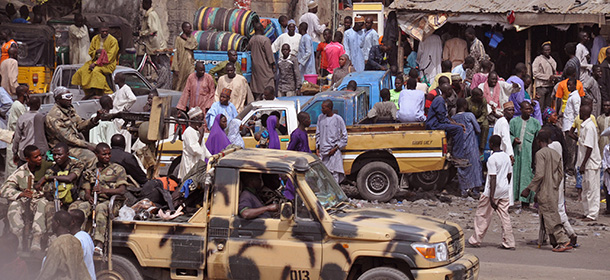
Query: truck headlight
(436, 252)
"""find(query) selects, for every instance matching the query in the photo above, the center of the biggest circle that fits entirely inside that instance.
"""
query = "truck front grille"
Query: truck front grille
(455, 247)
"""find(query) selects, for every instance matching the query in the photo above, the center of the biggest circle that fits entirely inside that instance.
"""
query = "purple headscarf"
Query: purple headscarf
(274, 139)
(217, 140)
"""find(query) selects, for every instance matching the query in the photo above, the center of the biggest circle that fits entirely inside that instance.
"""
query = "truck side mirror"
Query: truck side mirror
(286, 212)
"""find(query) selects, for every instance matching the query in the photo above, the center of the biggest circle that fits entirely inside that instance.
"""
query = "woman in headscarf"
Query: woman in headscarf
(233, 133)
(218, 140)
(340, 72)
(274, 139)
(549, 117)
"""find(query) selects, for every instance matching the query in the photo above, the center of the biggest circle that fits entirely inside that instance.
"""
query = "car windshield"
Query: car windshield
(325, 187)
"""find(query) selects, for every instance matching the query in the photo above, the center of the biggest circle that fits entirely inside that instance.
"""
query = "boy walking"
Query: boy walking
(495, 197)
(289, 82)
(298, 138)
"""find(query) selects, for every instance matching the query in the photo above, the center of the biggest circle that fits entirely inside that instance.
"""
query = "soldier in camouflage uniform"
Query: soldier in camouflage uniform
(67, 172)
(15, 189)
(107, 179)
(63, 124)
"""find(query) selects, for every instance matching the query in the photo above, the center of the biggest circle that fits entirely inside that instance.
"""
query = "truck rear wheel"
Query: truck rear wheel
(377, 181)
(428, 181)
(383, 273)
(122, 269)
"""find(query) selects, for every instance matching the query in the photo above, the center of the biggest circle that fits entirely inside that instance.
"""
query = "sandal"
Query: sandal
(562, 248)
(98, 251)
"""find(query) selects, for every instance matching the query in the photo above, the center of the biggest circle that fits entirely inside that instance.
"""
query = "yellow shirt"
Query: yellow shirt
(578, 121)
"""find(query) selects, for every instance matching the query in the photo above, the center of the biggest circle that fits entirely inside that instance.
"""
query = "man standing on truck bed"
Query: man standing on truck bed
(331, 137)
(104, 52)
(152, 32)
(184, 61)
(263, 62)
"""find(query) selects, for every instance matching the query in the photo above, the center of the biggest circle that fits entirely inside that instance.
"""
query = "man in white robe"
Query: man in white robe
(192, 148)
(371, 38)
(79, 41)
(331, 137)
(314, 28)
(430, 55)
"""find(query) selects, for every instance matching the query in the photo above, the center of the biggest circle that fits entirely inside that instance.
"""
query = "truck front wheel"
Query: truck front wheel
(377, 181)
(383, 273)
(122, 269)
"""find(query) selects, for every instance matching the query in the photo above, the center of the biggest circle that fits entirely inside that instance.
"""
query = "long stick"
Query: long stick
(94, 214)
(28, 217)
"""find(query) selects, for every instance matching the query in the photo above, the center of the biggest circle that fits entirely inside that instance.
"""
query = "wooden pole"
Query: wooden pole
(528, 57)
(400, 53)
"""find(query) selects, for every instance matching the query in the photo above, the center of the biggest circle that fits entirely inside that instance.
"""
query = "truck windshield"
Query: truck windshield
(325, 187)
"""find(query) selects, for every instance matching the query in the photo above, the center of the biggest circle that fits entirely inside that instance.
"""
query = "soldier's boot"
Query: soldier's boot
(36, 247)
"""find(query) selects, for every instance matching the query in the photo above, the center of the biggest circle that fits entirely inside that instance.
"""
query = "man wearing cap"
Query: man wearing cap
(242, 95)
(543, 69)
(353, 44)
(192, 150)
(314, 28)
(222, 106)
(291, 38)
(63, 124)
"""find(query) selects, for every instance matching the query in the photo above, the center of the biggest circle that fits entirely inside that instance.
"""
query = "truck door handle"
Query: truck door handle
(245, 234)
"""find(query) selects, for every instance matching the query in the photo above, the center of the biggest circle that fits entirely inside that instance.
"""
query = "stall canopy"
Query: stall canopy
(422, 16)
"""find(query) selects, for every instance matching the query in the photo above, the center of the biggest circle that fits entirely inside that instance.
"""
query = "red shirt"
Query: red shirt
(333, 51)
(323, 60)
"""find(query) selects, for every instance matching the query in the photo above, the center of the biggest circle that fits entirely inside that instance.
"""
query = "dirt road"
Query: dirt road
(590, 261)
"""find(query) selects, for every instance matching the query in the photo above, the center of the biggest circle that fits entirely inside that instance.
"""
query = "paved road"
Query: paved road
(591, 261)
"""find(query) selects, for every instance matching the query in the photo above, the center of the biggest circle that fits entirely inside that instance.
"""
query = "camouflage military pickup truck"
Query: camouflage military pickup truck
(317, 235)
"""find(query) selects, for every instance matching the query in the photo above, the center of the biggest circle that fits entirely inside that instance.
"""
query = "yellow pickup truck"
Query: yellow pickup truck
(380, 158)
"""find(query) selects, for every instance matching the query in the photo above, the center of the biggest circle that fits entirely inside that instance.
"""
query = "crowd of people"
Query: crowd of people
(538, 135)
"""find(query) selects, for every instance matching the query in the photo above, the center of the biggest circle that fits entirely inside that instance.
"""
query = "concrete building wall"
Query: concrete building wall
(173, 12)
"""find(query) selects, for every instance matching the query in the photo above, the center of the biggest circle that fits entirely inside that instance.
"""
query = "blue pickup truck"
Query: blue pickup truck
(371, 82)
(213, 58)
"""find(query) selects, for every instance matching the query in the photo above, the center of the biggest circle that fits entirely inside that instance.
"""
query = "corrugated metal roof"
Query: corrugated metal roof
(504, 6)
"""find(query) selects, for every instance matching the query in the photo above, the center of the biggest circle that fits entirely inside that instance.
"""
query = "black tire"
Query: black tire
(123, 268)
(428, 181)
(377, 180)
(384, 273)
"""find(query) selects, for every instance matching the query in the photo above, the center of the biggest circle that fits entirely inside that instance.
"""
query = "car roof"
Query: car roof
(272, 103)
(344, 94)
(266, 159)
(364, 77)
